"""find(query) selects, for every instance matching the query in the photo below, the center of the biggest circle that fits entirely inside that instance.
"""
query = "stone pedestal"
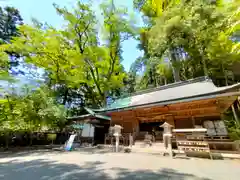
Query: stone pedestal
(167, 140)
(117, 142)
(130, 140)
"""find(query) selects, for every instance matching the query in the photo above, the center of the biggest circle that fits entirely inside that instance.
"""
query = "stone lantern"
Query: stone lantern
(167, 128)
(117, 133)
(117, 130)
(167, 135)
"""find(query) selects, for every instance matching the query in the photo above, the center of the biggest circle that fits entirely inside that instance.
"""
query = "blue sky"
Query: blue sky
(45, 12)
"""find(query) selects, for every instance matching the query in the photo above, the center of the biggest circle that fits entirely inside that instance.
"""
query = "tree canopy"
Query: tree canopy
(81, 62)
(10, 19)
(191, 39)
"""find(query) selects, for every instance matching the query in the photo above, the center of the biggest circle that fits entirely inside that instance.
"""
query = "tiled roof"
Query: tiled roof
(180, 90)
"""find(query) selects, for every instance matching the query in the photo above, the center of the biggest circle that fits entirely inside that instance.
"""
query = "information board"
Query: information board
(69, 144)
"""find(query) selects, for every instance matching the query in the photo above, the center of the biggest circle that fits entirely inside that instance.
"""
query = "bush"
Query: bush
(51, 137)
(232, 126)
(234, 134)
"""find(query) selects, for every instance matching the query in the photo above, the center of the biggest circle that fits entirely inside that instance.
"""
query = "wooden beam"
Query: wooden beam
(225, 102)
(152, 118)
(194, 112)
(208, 107)
(175, 107)
(193, 105)
(166, 108)
(187, 112)
(197, 116)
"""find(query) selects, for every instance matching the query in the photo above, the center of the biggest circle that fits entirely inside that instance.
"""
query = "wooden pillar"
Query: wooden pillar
(170, 120)
(235, 114)
(193, 122)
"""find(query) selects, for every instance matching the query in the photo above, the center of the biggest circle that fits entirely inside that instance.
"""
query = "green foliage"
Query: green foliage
(195, 37)
(153, 8)
(10, 18)
(51, 137)
(34, 110)
(4, 65)
(41, 109)
(234, 133)
(9, 108)
(78, 69)
(232, 125)
(72, 58)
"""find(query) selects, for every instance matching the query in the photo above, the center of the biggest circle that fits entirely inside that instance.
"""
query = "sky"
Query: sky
(44, 11)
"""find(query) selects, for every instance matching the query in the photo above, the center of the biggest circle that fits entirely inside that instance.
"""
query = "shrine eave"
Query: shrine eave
(90, 115)
(184, 91)
(97, 116)
(168, 102)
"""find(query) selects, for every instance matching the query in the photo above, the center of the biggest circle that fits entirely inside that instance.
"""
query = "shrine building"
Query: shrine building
(188, 104)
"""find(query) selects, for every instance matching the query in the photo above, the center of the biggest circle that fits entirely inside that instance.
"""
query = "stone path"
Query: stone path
(120, 166)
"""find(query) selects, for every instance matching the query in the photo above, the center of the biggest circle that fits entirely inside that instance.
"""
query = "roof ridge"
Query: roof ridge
(172, 85)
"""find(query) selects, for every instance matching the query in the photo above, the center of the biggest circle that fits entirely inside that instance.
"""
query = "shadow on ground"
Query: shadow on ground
(51, 170)
(163, 174)
(37, 151)
(12, 154)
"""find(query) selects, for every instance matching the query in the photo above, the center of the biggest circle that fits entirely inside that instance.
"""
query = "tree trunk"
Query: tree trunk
(205, 70)
(30, 139)
(226, 78)
(104, 99)
(65, 96)
(176, 70)
(6, 140)
(165, 80)
(235, 114)
(224, 74)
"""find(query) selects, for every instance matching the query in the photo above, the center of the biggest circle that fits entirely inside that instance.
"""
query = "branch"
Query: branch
(81, 49)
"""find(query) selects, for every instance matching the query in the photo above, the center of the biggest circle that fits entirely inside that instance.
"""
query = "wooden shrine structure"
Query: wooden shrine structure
(185, 104)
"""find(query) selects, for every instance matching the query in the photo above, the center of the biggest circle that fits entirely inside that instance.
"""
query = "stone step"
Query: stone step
(150, 150)
(154, 145)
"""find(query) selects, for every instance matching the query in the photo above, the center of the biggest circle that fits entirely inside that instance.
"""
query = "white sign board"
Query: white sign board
(70, 142)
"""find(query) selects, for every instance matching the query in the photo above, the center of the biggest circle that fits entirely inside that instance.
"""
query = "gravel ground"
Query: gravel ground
(97, 166)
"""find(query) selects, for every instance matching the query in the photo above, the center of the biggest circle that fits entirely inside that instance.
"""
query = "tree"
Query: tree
(4, 66)
(154, 9)
(10, 120)
(40, 109)
(10, 19)
(73, 58)
(31, 110)
(118, 27)
(191, 31)
(105, 70)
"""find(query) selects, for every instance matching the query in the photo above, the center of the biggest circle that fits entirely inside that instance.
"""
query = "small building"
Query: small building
(187, 104)
(91, 127)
